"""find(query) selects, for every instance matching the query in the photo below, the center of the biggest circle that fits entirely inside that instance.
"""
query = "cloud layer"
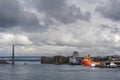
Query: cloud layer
(39, 27)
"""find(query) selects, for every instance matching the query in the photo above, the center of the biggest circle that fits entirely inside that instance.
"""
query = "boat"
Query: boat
(88, 62)
(112, 65)
(73, 61)
(3, 62)
(93, 65)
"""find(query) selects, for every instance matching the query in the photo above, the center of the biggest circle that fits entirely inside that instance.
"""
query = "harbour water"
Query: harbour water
(37, 71)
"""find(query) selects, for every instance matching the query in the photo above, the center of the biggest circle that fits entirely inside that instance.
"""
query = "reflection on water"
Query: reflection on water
(37, 71)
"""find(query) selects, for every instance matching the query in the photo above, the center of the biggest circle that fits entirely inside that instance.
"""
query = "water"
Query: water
(37, 71)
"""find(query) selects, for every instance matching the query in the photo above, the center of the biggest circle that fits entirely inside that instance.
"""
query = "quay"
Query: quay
(59, 59)
(116, 62)
(75, 59)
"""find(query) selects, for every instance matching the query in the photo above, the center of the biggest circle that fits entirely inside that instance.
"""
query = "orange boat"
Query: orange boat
(87, 61)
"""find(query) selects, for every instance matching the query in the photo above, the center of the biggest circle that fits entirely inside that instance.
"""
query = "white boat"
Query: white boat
(112, 64)
(92, 65)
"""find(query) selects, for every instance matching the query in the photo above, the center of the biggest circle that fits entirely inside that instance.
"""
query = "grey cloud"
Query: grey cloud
(60, 11)
(93, 1)
(110, 10)
(12, 14)
(113, 28)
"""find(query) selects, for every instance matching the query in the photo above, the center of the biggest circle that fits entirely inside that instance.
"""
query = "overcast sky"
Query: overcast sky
(38, 27)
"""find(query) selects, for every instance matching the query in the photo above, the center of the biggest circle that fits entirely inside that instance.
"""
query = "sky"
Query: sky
(50, 27)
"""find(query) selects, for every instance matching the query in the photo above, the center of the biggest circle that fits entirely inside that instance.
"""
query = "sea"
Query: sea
(26, 70)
